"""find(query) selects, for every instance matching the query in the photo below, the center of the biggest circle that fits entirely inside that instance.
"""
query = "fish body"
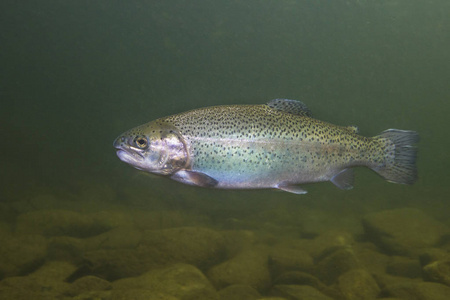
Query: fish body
(274, 145)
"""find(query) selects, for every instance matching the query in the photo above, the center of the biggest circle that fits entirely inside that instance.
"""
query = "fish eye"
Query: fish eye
(141, 142)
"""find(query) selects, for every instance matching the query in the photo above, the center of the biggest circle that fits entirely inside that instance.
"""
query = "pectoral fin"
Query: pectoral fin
(194, 178)
(344, 179)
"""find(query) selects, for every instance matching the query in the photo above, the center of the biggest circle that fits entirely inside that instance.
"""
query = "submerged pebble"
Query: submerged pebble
(358, 284)
(419, 291)
(21, 254)
(404, 231)
(248, 267)
(239, 292)
(181, 281)
(298, 292)
(438, 271)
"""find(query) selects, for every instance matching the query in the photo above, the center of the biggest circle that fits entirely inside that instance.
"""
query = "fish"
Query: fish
(277, 145)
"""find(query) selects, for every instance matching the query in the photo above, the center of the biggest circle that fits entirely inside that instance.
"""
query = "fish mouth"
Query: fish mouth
(125, 152)
(129, 156)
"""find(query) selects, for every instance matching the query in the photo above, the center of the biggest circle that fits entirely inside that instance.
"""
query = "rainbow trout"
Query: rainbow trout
(275, 145)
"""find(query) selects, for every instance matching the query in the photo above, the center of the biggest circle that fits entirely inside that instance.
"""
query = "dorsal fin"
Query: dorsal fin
(294, 107)
(353, 129)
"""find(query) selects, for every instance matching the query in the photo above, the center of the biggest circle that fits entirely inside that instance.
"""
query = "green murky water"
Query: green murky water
(75, 74)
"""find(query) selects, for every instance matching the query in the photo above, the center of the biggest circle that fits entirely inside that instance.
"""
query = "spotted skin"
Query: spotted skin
(263, 146)
(259, 147)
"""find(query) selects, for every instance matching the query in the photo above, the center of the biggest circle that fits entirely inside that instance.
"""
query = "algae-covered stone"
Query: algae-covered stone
(20, 255)
(97, 295)
(419, 291)
(430, 255)
(8, 293)
(48, 282)
(336, 263)
(298, 292)
(238, 240)
(329, 241)
(248, 268)
(181, 281)
(87, 284)
(201, 247)
(138, 294)
(110, 219)
(372, 260)
(116, 238)
(404, 231)
(438, 271)
(385, 281)
(66, 248)
(404, 266)
(113, 264)
(358, 285)
(283, 259)
(299, 278)
(239, 292)
(198, 246)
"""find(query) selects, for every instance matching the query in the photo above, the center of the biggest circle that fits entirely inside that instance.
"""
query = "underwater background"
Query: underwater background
(76, 222)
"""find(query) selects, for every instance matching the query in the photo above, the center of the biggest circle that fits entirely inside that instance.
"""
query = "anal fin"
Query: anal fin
(344, 179)
(295, 189)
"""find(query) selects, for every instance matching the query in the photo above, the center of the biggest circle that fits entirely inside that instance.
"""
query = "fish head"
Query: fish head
(155, 147)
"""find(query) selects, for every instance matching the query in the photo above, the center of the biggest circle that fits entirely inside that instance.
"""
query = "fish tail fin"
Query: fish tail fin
(400, 153)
